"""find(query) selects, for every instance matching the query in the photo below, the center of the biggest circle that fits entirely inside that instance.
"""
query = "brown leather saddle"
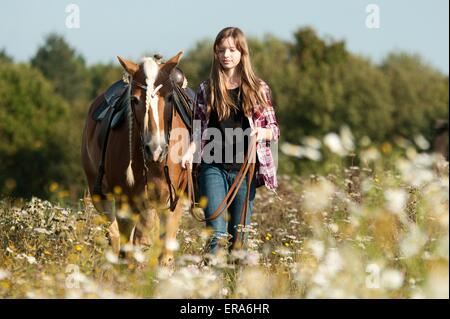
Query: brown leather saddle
(112, 112)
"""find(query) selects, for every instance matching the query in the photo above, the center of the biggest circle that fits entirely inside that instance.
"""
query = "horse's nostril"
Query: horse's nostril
(152, 151)
(147, 149)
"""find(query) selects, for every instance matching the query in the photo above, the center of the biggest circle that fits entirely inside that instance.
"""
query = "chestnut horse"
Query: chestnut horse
(134, 161)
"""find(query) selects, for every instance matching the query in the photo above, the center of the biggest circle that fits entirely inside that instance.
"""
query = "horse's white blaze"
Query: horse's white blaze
(151, 70)
(154, 106)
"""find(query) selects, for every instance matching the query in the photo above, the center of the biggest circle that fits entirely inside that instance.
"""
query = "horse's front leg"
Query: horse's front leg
(146, 232)
(106, 208)
(114, 237)
(170, 239)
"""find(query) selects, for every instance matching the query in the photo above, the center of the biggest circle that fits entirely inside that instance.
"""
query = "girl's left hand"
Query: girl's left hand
(262, 134)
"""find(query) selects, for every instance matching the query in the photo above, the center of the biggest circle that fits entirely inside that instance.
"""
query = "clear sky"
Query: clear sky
(130, 28)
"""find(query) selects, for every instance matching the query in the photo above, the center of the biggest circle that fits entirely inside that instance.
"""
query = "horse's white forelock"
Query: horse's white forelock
(151, 70)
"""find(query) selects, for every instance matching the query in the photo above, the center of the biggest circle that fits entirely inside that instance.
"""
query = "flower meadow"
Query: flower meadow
(375, 225)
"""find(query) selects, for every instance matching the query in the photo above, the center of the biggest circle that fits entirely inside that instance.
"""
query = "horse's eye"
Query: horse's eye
(134, 100)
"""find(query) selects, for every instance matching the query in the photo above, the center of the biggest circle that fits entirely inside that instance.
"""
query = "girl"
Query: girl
(231, 105)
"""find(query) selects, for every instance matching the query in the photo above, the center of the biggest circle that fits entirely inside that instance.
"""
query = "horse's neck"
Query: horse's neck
(177, 125)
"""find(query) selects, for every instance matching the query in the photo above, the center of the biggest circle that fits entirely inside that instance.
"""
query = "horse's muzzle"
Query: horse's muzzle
(153, 152)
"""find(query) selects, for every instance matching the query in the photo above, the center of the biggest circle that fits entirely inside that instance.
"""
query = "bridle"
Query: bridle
(164, 157)
(133, 111)
(144, 87)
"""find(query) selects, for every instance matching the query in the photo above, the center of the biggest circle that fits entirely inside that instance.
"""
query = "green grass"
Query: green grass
(354, 246)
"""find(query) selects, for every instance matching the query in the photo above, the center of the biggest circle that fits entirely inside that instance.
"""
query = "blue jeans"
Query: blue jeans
(214, 183)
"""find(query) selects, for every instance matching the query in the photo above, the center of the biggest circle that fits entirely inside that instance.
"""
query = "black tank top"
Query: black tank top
(234, 146)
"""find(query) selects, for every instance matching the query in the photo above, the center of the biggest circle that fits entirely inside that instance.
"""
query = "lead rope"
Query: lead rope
(240, 239)
(248, 166)
(185, 181)
(173, 200)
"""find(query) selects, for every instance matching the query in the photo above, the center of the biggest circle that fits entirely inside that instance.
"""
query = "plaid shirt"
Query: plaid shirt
(265, 165)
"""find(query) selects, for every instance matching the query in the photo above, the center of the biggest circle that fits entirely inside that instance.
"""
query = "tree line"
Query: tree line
(317, 86)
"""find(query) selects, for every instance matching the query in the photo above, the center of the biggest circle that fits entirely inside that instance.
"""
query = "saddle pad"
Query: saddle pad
(112, 96)
(119, 117)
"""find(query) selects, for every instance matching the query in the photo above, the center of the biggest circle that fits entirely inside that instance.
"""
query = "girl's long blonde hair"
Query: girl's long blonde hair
(251, 91)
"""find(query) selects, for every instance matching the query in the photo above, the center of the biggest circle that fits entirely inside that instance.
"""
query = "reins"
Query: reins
(185, 181)
(247, 169)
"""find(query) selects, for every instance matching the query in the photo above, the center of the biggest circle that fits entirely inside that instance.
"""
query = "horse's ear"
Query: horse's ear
(175, 59)
(129, 66)
(171, 63)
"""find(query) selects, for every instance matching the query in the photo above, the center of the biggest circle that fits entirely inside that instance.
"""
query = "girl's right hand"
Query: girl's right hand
(187, 159)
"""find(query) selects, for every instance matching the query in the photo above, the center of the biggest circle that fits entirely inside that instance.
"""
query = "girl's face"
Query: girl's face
(229, 56)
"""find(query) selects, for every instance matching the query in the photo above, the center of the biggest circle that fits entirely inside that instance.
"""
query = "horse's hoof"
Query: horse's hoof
(141, 266)
(122, 254)
(167, 261)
